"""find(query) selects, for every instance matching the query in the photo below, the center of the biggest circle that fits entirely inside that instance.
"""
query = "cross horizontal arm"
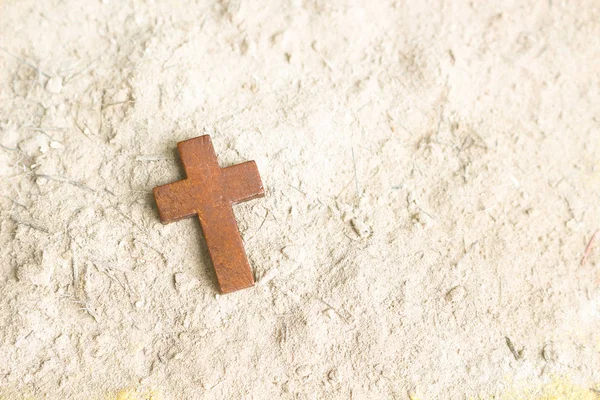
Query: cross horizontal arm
(242, 182)
(173, 201)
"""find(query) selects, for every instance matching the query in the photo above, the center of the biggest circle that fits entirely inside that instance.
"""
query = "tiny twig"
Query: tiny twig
(426, 213)
(294, 187)
(86, 307)
(334, 310)
(154, 158)
(29, 225)
(8, 148)
(355, 175)
(59, 178)
(153, 249)
(116, 104)
(516, 354)
(127, 217)
(47, 128)
(263, 221)
(13, 200)
(25, 63)
(67, 79)
(440, 119)
(74, 264)
(467, 253)
(588, 248)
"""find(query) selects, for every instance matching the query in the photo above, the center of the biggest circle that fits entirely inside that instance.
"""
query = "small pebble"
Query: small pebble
(549, 353)
(330, 313)
(455, 294)
(294, 253)
(36, 273)
(361, 228)
(333, 375)
(54, 84)
(303, 371)
(184, 283)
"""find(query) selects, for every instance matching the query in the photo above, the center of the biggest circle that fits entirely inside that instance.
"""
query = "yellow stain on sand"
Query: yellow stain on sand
(559, 388)
(134, 394)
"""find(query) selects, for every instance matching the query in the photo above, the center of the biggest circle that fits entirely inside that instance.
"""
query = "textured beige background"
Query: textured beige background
(432, 174)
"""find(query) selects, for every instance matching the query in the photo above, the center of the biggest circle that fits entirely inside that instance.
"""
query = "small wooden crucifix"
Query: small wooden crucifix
(209, 191)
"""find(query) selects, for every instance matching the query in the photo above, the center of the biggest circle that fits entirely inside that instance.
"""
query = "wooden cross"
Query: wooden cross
(209, 191)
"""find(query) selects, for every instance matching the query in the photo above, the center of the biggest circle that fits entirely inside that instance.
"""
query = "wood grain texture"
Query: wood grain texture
(209, 192)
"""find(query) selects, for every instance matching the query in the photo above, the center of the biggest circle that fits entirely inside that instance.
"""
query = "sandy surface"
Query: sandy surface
(432, 176)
